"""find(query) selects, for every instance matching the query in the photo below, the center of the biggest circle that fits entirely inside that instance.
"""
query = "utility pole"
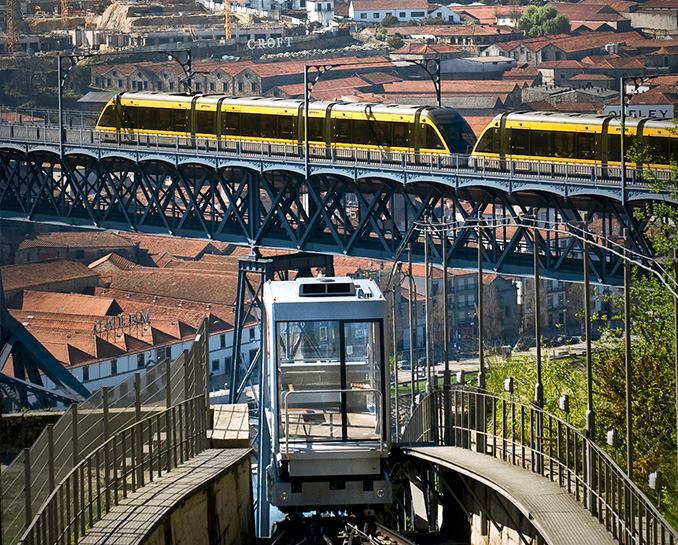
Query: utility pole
(627, 352)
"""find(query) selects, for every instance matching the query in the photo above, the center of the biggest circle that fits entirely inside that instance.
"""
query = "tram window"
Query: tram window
(269, 126)
(205, 122)
(520, 141)
(287, 127)
(614, 149)
(432, 140)
(563, 144)
(315, 129)
(488, 142)
(108, 117)
(180, 120)
(401, 135)
(361, 132)
(341, 130)
(164, 119)
(128, 117)
(459, 137)
(541, 143)
(380, 131)
(661, 148)
(230, 124)
(147, 118)
(586, 146)
(251, 124)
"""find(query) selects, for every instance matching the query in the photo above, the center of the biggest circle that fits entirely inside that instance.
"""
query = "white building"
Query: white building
(319, 11)
(374, 11)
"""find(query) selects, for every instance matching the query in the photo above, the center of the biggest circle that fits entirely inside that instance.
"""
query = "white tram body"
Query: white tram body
(328, 411)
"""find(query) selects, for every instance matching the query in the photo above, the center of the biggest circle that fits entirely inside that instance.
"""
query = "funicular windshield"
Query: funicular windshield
(330, 380)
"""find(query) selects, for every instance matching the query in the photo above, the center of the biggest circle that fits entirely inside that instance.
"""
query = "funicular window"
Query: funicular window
(329, 376)
(585, 146)
(230, 124)
(128, 117)
(250, 125)
(205, 122)
(401, 135)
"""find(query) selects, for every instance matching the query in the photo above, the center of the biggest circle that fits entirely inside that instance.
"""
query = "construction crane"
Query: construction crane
(66, 10)
(227, 20)
(12, 19)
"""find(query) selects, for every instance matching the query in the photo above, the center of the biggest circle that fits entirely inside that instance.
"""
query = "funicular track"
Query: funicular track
(334, 530)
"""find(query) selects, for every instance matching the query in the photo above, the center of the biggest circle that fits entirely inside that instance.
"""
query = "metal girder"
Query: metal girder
(345, 210)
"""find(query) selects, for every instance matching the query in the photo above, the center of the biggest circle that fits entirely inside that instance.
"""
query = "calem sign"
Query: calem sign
(270, 43)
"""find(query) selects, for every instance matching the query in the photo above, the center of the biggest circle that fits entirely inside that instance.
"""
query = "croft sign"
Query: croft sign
(270, 43)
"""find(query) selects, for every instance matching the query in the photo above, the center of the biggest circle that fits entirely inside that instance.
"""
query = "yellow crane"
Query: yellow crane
(227, 20)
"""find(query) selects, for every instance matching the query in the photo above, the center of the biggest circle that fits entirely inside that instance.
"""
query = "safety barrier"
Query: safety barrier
(527, 436)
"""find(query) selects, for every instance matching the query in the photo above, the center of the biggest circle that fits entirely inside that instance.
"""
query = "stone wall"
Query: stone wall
(219, 513)
(20, 430)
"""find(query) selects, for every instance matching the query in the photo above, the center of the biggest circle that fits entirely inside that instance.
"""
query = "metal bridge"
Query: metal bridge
(351, 202)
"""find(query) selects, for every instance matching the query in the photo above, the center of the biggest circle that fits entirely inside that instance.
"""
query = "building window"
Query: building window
(160, 86)
(211, 86)
(254, 87)
(140, 361)
(418, 14)
(197, 86)
(375, 15)
(363, 15)
(252, 333)
(85, 373)
(171, 85)
(114, 367)
(80, 254)
(168, 352)
(240, 86)
(227, 363)
(222, 340)
(225, 87)
(215, 366)
(402, 15)
(253, 354)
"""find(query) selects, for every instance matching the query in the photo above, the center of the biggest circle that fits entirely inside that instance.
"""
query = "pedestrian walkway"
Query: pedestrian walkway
(136, 516)
(558, 517)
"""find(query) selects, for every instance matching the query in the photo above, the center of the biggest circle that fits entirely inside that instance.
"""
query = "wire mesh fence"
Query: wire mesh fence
(33, 475)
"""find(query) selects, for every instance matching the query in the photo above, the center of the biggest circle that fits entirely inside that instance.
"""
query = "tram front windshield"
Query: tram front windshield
(330, 380)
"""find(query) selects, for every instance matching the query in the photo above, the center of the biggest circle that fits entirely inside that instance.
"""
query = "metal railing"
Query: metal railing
(32, 476)
(591, 174)
(537, 441)
(122, 464)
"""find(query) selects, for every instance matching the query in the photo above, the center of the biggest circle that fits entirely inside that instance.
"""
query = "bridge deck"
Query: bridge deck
(133, 519)
(556, 514)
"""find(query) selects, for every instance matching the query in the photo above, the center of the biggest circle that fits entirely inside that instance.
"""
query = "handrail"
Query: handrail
(151, 447)
(593, 174)
(289, 393)
(540, 442)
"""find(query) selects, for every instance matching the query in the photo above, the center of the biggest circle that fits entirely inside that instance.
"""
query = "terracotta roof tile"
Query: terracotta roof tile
(43, 273)
(114, 259)
(176, 246)
(68, 303)
(80, 239)
(452, 30)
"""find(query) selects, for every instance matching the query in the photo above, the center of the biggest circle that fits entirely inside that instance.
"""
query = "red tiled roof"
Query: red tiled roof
(67, 303)
(31, 275)
(115, 259)
(425, 49)
(176, 246)
(80, 239)
(590, 77)
(452, 30)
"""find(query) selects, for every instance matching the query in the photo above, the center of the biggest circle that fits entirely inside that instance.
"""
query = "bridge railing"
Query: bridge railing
(32, 476)
(537, 441)
(591, 172)
(125, 462)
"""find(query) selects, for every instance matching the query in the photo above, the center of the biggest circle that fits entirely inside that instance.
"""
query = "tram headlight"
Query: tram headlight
(380, 492)
(284, 495)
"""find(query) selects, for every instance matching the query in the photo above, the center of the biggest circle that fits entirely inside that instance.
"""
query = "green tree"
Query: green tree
(542, 21)
(395, 42)
(389, 20)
